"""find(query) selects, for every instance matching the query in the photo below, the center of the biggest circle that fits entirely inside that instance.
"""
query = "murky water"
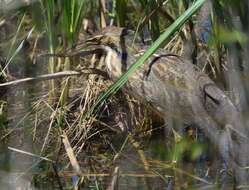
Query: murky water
(152, 165)
(157, 163)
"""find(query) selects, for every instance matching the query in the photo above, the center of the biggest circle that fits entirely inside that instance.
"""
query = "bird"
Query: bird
(172, 85)
(177, 90)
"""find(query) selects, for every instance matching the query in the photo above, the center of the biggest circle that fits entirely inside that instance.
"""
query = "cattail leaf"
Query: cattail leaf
(152, 49)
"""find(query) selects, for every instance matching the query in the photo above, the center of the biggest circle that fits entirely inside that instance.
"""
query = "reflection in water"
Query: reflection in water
(164, 161)
(17, 167)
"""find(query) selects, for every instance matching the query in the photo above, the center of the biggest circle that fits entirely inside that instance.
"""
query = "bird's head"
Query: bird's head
(112, 40)
(109, 36)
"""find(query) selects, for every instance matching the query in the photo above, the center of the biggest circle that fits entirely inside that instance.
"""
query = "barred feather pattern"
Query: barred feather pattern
(176, 89)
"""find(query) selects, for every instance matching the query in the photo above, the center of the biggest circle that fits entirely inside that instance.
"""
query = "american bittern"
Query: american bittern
(173, 86)
(177, 89)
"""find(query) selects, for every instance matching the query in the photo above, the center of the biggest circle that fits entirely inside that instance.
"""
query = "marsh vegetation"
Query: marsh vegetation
(69, 121)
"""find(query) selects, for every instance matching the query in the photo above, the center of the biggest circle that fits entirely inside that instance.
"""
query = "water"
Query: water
(193, 165)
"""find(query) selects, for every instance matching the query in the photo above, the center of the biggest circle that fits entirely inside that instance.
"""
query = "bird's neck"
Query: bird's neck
(113, 62)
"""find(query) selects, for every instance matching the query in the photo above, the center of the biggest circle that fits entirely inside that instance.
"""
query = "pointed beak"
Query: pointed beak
(89, 46)
(96, 40)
